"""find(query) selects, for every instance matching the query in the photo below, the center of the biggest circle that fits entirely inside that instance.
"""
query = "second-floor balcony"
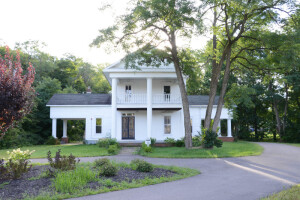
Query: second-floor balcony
(142, 99)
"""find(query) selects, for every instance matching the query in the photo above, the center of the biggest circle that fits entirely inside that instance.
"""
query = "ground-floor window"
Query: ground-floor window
(99, 125)
(167, 124)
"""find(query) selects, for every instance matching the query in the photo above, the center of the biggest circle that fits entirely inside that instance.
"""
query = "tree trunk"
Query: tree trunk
(184, 99)
(278, 121)
(214, 78)
(285, 109)
(223, 91)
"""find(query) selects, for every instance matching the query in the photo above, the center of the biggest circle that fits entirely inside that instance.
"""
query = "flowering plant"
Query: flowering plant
(17, 154)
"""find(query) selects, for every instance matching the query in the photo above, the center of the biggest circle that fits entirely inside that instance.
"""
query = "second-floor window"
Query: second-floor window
(167, 124)
(167, 92)
(127, 93)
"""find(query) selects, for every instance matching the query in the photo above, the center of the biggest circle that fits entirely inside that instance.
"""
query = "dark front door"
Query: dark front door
(128, 127)
(167, 92)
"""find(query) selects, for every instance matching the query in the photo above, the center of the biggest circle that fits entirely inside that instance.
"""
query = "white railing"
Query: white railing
(142, 99)
(132, 98)
(166, 98)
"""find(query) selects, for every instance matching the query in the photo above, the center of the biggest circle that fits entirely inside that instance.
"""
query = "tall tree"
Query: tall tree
(16, 91)
(236, 20)
(154, 26)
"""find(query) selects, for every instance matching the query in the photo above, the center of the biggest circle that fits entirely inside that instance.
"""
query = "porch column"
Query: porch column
(229, 128)
(54, 127)
(65, 124)
(114, 107)
(149, 110)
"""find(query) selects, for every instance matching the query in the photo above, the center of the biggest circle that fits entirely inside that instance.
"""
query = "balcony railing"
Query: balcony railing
(142, 99)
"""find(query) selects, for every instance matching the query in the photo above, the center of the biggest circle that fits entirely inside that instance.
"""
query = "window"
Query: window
(127, 93)
(99, 125)
(167, 124)
(167, 92)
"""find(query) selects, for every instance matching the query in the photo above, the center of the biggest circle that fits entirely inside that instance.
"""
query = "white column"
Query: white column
(200, 126)
(65, 124)
(54, 128)
(219, 132)
(149, 108)
(114, 107)
(229, 128)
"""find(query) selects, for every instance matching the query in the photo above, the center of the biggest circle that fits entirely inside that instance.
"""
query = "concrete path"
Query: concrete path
(241, 178)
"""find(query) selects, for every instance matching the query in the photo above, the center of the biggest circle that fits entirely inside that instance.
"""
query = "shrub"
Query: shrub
(52, 141)
(170, 141)
(62, 162)
(105, 142)
(113, 149)
(147, 149)
(196, 140)
(69, 181)
(101, 161)
(108, 170)
(179, 142)
(141, 165)
(17, 154)
(210, 139)
(3, 170)
(153, 141)
(15, 169)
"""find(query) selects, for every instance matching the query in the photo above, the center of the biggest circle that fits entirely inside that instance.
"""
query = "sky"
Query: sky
(66, 26)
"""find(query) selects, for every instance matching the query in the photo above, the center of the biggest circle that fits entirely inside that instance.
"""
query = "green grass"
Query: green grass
(229, 149)
(291, 194)
(66, 187)
(76, 150)
(294, 144)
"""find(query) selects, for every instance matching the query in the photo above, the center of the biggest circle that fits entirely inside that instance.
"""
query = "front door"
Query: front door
(128, 130)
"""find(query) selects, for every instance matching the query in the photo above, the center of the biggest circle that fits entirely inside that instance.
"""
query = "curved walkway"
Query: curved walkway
(244, 178)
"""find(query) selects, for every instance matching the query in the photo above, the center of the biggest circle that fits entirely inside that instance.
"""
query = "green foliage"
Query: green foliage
(3, 170)
(196, 141)
(145, 148)
(210, 139)
(170, 141)
(17, 154)
(141, 165)
(52, 141)
(70, 181)
(101, 161)
(62, 162)
(113, 149)
(108, 170)
(179, 142)
(15, 169)
(153, 141)
(105, 142)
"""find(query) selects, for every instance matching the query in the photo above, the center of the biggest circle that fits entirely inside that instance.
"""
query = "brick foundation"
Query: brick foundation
(65, 140)
(227, 139)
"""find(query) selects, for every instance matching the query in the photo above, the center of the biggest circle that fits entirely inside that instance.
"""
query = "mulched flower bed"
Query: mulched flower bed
(16, 189)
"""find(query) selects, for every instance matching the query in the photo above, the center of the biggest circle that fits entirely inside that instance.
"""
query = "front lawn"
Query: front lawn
(229, 149)
(292, 194)
(77, 150)
(294, 144)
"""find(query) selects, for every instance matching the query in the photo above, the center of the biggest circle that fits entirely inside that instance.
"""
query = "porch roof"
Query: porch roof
(105, 99)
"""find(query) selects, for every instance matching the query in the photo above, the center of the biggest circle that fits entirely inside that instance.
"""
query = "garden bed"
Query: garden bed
(35, 183)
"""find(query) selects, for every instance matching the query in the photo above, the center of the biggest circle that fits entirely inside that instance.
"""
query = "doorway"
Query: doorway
(128, 127)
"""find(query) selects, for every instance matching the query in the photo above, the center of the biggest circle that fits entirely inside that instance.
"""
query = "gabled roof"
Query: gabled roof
(105, 99)
(80, 99)
(200, 99)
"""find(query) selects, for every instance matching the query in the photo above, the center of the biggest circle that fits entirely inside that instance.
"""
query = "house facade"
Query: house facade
(144, 103)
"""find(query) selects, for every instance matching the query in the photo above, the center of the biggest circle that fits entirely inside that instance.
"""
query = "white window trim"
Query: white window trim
(167, 134)
(94, 123)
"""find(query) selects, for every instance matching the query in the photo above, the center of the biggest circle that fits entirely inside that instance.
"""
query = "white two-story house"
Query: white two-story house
(144, 103)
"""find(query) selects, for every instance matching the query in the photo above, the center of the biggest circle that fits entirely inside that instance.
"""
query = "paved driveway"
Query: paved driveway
(241, 178)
